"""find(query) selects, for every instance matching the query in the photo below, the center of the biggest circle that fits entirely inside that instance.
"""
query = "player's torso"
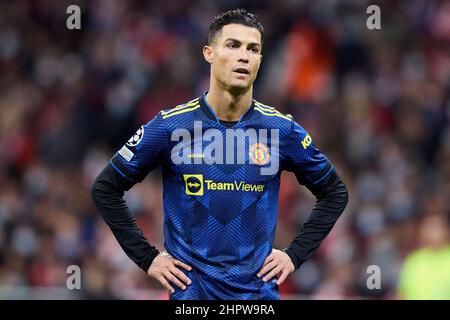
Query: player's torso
(221, 189)
(210, 160)
(221, 194)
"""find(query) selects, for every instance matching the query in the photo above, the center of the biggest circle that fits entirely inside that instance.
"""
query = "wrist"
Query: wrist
(294, 259)
(149, 259)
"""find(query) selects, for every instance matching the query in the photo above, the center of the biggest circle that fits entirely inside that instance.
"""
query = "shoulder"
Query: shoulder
(417, 257)
(170, 118)
(179, 110)
(274, 118)
(270, 111)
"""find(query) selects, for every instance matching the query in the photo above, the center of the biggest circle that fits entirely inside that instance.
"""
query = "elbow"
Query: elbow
(344, 197)
(100, 197)
(100, 191)
(95, 191)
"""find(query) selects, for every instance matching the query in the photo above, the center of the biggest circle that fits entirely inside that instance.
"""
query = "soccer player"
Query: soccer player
(221, 156)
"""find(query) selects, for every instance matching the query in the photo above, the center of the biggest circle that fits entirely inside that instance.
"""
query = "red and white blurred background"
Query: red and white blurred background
(376, 102)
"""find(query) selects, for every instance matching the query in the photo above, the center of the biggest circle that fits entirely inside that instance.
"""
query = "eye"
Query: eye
(232, 45)
(254, 50)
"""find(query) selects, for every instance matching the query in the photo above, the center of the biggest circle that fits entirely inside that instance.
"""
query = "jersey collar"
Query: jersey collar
(209, 112)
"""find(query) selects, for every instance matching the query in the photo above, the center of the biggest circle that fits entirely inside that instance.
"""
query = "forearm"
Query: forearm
(107, 194)
(332, 197)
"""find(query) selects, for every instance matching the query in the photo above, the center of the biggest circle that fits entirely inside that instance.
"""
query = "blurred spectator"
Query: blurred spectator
(426, 271)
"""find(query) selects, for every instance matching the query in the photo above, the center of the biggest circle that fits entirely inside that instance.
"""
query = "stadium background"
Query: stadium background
(376, 102)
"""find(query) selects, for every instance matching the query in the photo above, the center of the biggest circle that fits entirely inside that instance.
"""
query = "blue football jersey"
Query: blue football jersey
(220, 190)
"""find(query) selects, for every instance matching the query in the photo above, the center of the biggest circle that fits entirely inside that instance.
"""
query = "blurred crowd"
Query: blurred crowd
(376, 102)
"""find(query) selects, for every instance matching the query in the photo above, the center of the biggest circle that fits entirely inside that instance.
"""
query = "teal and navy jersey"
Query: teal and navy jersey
(220, 206)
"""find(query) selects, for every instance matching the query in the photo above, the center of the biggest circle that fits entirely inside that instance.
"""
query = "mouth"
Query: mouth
(242, 71)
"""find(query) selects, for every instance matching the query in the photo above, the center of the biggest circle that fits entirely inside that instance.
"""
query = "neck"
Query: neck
(229, 106)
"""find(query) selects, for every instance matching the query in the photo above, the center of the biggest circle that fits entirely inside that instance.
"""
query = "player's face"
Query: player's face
(235, 56)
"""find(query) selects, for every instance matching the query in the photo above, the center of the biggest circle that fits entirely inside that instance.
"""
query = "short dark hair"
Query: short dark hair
(239, 16)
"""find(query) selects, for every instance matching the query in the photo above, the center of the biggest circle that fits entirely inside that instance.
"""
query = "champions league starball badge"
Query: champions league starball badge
(136, 138)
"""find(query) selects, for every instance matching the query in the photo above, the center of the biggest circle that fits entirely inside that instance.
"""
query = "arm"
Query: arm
(145, 150)
(313, 170)
(107, 193)
(332, 197)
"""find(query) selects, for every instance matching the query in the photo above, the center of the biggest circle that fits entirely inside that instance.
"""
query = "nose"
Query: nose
(244, 60)
(243, 55)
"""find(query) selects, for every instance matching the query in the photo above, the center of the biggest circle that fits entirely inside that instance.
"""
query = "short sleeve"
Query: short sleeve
(143, 152)
(303, 158)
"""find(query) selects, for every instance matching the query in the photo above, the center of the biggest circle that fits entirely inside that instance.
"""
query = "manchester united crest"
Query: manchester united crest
(259, 154)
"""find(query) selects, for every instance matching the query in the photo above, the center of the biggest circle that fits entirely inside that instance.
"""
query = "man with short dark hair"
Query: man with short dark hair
(221, 156)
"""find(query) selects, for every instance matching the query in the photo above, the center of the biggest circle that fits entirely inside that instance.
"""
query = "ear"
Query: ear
(208, 53)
